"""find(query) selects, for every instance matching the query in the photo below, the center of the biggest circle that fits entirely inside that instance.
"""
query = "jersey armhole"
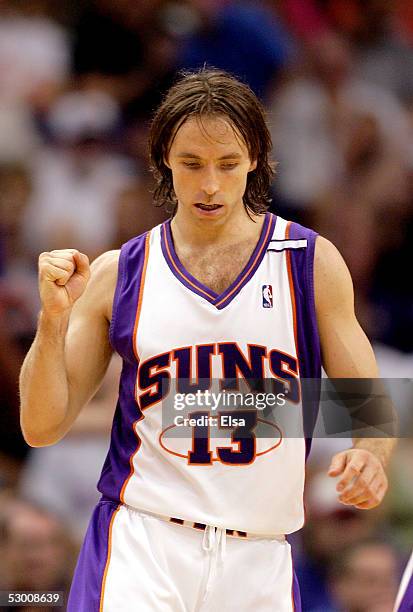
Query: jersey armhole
(118, 291)
(309, 279)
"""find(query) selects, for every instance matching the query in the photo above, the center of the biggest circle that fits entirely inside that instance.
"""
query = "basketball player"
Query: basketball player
(198, 526)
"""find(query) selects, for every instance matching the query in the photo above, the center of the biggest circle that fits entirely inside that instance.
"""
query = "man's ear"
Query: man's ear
(166, 162)
(253, 166)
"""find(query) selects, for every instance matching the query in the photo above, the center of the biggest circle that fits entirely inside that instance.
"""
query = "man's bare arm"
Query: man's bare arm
(71, 350)
(347, 353)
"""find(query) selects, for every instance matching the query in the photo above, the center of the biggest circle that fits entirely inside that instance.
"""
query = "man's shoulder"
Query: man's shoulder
(327, 255)
(106, 263)
(141, 238)
(138, 244)
(295, 230)
(332, 280)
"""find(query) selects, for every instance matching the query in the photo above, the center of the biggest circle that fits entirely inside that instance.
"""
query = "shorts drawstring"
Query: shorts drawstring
(215, 543)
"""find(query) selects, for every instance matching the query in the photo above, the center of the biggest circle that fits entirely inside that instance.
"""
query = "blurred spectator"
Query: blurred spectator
(364, 578)
(304, 17)
(76, 182)
(18, 306)
(139, 61)
(404, 19)
(312, 115)
(82, 115)
(391, 294)
(379, 31)
(385, 59)
(18, 273)
(243, 38)
(34, 65)
(36, 552)
(19, 136)
(372, 189)
(400, 498)
(34, 52)
(330, 528)
(11, 440)
(134, 207)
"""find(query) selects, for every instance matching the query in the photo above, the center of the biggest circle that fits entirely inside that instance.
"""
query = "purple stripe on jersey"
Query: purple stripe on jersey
(86, 586)
(309, 352)
(125, 303)
(191, 283)
(296, 594)
(406, 604)
(295, 589)
(124, 441)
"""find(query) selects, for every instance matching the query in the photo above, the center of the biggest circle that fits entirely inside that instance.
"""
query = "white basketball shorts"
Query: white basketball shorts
(132, 561)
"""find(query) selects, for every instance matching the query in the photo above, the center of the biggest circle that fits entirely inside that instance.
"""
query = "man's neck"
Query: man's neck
(191, 232)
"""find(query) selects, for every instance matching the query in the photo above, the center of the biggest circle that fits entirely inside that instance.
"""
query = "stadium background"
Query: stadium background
(78, 82)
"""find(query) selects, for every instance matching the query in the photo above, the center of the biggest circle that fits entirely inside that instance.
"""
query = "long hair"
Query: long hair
(210, 92)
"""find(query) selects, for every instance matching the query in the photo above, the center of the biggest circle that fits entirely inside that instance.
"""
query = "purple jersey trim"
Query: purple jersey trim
(191, 283)
(177, 269)
(295, 588)
(406, 604)
(296, 595)
(124, 441)
(118, 291)
(308, 341)
(85, 592)
(130, 270)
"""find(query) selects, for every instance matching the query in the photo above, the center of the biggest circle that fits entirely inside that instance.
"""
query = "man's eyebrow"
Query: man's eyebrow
(186, 154)
(231, 156)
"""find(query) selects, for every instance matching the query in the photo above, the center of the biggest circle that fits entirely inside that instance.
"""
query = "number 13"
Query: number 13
(242, 435)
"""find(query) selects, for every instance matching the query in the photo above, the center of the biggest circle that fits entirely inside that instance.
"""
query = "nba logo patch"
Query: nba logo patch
(267, 296)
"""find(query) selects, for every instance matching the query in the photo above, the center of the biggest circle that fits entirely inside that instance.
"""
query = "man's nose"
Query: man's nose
(210, 184)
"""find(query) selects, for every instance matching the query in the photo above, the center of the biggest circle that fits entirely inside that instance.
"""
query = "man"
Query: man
(198, 525)
(37, 551)
(363, 578)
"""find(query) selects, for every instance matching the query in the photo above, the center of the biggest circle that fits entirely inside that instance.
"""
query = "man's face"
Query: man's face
(369, 583)
(209, 163)
(36, 554)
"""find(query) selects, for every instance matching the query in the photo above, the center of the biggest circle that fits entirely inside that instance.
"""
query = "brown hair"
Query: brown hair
(211, 92)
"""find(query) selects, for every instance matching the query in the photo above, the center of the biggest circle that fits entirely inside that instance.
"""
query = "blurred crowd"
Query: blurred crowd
(79, 80)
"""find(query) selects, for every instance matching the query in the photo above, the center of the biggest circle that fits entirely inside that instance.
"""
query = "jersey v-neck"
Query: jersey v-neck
(219, 300)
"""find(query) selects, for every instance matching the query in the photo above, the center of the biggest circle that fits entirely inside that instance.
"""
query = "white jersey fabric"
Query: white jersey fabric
(196, 521)
(254, 486)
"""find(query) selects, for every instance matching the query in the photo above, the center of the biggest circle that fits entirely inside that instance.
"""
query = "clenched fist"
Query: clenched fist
(63, 276)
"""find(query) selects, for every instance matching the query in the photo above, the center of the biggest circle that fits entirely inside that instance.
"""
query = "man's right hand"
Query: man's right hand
(63, 276)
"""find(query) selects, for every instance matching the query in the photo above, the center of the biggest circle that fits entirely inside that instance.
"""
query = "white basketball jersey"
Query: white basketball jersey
(179, 447)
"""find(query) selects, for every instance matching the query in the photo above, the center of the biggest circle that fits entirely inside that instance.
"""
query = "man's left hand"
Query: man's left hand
(363, 481)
